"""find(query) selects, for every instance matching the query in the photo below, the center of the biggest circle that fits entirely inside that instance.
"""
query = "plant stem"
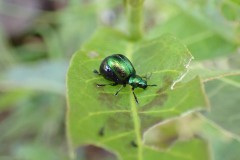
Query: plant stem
(135, 18)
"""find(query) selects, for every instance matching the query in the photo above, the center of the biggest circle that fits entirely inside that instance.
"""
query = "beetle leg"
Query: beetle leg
(145, 76)
(119, 90)
(96, 72)
(111, 84)
(134, 96)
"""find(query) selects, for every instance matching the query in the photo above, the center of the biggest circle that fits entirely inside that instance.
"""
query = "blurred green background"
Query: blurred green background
(38, 38)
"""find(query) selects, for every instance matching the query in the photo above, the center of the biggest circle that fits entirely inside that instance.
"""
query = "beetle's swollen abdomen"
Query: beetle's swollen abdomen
(117, 68)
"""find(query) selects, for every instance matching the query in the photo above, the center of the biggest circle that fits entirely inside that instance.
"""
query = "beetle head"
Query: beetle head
(137, 81)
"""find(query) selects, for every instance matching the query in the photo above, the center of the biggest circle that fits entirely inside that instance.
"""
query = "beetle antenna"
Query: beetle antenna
(148, 76)
(152, 85)
(134, 96)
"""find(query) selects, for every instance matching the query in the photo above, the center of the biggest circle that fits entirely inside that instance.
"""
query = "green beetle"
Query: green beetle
(118, 69)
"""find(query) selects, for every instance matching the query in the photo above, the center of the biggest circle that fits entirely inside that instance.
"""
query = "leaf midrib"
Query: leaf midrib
(135, 117)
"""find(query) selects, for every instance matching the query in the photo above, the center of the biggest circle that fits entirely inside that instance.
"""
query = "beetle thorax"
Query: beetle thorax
(137, 81)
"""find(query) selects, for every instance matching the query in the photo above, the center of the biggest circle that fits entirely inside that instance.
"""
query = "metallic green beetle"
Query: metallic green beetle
(118, 69)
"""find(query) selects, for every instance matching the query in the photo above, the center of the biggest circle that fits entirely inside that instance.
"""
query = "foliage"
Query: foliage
(96, 117)
(191, 114)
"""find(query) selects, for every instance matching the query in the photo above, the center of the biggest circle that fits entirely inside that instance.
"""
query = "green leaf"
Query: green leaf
(77, 23)
(230, 11)
(96, 116)
(202, 41)
(223, 144)
(37, 152)
(194, 128)
(208, 14)
(43, 76)
(224, 98)
(179, 135)
(10, 98)
(208, 74)
(213, 69)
